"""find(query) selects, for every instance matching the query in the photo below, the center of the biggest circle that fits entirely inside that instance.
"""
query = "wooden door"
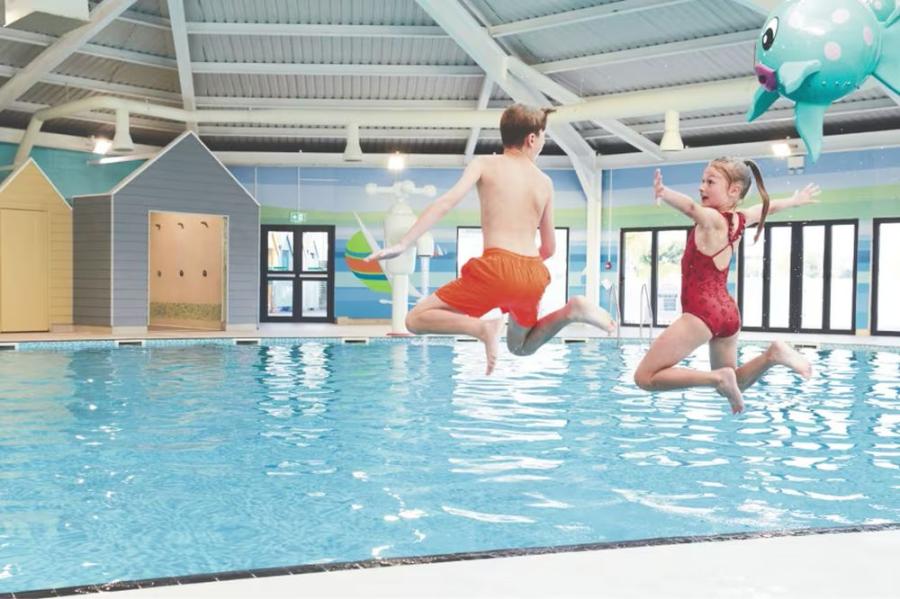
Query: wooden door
(24, 271)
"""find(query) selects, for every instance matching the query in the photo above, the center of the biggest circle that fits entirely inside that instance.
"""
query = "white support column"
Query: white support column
(183, 57)
(594, 229)
(50, 58)
(484, 97)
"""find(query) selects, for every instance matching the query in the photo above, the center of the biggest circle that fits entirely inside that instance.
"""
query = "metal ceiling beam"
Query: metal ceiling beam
(144, 20)
(292, 29)
(99, 86)
(763, 7)
(54, 55)
(782, 114)
(102, 118)
(341, 132)
(182, 56)
(560, 93)
(487, 88)
(138, 58)
(355, 70)
(581, 15)
(338, 103)
(711, 42)
(134, 17)
(833, 143)
(551, 88)
(469, 34)
(369, 159)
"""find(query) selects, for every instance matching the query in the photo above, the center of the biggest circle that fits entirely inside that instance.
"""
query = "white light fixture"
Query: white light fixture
(102, 145)
(122, 142)
(782, 149)
(397, 162)
(353, 151)
(671, 140)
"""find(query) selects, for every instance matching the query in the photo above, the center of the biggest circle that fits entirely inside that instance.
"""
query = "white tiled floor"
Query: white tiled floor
(821, 566)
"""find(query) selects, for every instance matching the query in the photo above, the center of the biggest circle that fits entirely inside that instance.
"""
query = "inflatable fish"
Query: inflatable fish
(815, 52)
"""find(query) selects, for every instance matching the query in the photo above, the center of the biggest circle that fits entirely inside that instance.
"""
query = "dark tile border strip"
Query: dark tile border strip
(435, 559)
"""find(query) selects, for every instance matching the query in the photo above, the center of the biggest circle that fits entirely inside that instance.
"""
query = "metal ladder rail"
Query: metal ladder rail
(645, 302)
(617, 313)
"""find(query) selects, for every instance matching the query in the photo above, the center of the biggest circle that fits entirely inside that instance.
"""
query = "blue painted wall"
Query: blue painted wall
(331, 196)
(70, 171)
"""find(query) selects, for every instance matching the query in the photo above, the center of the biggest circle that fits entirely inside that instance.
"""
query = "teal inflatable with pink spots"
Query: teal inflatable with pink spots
(815, 52)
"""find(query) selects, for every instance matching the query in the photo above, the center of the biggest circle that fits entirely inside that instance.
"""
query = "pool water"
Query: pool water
(123, 464)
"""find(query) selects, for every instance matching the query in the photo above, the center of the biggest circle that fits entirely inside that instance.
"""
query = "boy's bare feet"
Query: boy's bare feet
(782, 353)
(490, 336)
(728, 387)
(584, 311)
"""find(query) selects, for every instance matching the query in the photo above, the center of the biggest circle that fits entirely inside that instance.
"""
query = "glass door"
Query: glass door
(635, 273)
(886, 277)
(779, 262)
(297, 282)
(802, 278)
(669, 249)
(651, 258)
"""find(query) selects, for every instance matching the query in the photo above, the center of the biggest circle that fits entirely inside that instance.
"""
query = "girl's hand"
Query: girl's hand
(807, 195)
(658, 188)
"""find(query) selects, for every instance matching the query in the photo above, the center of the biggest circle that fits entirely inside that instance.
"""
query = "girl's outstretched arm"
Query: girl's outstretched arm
(705, 217)
(801, 197)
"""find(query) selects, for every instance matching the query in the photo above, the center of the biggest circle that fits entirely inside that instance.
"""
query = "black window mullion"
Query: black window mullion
(767, 272)
(298, 271)
(795, 314)
(826, 282)
(654, 263)
(855, 273)
(740, 277)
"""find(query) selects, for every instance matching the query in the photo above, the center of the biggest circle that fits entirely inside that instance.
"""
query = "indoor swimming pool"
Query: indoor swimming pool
(181, 458)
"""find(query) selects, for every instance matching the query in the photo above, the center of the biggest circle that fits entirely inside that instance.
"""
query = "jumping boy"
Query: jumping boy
(516, 199)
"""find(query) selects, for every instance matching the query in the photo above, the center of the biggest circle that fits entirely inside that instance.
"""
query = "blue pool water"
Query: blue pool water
(122, 464)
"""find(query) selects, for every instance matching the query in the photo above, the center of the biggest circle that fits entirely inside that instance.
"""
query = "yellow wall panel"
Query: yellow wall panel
(29, 189)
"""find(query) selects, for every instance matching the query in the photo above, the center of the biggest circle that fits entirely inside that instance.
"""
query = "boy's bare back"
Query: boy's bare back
(514, 196)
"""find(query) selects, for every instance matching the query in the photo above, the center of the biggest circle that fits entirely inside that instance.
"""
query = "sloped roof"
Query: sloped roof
(186, 139)
(590, 47)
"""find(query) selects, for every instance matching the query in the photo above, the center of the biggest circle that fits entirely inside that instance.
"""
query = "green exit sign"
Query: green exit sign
(297, 217)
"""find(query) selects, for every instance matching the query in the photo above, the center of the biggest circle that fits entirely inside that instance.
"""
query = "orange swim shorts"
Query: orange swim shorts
(499, 279)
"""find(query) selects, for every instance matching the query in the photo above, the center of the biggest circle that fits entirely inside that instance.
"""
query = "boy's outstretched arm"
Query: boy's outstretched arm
(801, 197)
(433, 213)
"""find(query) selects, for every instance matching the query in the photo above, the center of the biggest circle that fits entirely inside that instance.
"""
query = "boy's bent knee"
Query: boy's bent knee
(412, 322)
(644, 380)
(519, 350)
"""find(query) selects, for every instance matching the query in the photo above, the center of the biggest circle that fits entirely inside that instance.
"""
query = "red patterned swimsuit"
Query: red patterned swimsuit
(704, 288)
